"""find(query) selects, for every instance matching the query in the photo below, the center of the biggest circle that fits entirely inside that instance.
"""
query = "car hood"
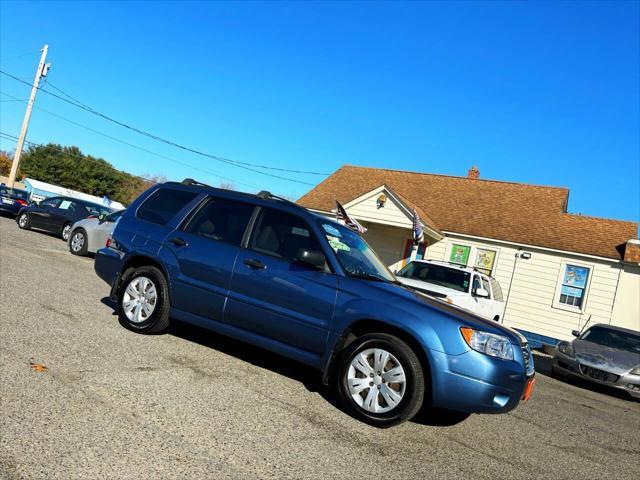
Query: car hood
(428, 301)
(603, 357)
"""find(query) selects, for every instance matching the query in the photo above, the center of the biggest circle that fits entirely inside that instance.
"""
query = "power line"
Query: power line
(142, 149)
(245, 165)
(7, 136)
(19, 56)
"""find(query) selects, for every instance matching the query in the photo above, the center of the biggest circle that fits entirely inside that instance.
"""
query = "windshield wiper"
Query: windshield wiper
(367, 276)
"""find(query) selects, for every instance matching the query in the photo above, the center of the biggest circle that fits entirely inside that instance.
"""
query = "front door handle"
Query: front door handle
(178, 242)
(254, 263)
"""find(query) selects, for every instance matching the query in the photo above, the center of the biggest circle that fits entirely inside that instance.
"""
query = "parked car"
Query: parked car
(456, 284)
(58, 214)
(603, 354)
(273, 274)
(12, 200)
(90, 234)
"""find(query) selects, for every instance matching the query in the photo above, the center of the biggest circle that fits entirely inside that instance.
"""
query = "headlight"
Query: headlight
(488, 343)
(635, 371)
(566, 349)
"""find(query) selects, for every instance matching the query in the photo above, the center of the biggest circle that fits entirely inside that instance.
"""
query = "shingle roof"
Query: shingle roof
(515, 212)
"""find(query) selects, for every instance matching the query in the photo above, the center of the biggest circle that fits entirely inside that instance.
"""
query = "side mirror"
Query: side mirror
(482, 293)
(575, 333)
(102, 217)
(312, 258)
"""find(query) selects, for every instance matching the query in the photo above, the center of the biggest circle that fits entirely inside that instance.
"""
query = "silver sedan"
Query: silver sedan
(603, 354)
(90, 234)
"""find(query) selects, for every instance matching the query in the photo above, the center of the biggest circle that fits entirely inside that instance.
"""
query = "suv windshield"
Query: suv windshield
(14, 193)
(436, 274)
(613, 338)
(354, 254)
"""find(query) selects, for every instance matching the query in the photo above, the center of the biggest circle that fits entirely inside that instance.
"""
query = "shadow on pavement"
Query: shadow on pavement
(543, 367)
(309, 377)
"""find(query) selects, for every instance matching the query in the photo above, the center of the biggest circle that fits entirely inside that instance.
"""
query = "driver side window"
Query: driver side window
(475, 285)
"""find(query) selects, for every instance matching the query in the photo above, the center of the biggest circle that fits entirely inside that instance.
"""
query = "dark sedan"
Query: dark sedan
(12, 200)
(602, 354)
(58, 214)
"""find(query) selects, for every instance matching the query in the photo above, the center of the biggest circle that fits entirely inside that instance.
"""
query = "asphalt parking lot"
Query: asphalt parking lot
(191, 404)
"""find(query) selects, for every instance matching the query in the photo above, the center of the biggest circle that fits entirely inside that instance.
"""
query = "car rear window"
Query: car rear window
(164, 204)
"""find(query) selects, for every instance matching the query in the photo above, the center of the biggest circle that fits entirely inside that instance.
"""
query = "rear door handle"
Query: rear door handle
(254, 263)
(178, 242)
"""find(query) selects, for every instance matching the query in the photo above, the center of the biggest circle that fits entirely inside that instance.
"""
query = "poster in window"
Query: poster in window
(459, 254)
(484, 260)
(575, 276)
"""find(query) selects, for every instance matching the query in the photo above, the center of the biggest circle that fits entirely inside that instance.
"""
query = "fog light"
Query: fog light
(631, 386)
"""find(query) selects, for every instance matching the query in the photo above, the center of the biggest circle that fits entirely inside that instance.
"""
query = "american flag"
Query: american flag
(349, 222)
(418, 233)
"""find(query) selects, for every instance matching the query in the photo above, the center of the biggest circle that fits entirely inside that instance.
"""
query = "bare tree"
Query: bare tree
(226, 185)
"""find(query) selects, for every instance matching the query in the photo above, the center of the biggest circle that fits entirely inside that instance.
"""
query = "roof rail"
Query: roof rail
(264, 194)
(191, 182)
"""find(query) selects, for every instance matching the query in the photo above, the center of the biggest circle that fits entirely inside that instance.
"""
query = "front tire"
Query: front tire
(380, 380)
(24, 222)
(143, 300)
(78, 244)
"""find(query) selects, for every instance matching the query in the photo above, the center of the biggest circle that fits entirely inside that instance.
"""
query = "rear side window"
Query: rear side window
(163, 205)
(281, 234)
(497, 290)
(221, 220)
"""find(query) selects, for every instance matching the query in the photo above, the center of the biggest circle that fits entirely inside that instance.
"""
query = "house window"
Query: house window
(574, 285)
(459, 254)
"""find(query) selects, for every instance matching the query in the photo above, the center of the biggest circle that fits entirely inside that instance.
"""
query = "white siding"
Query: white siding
(388, 242)
(626, 311)
(391, 214)
(533, 293)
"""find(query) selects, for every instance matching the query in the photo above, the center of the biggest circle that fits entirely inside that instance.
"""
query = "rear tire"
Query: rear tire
(380, 380)
(78, 244)
(143, 300)
(24, 222)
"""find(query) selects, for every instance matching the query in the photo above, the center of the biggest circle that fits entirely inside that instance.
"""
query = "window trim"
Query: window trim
(558, 291)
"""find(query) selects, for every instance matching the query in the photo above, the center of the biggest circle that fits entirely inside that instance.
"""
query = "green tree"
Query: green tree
(70, 168)
(6, 159)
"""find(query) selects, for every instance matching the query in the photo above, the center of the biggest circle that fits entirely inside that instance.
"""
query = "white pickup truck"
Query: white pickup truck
(456, 284)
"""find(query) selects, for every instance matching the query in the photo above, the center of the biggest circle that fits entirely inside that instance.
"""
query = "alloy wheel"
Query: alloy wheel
(77, 241)
(22, 221)
(139, 299)
(376, 380)
(65, 232)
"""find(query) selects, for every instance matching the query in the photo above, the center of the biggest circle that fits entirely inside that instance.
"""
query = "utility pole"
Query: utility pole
(43, 68)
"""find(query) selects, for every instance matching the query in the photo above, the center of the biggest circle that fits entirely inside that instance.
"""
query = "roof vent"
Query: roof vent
(473, 172)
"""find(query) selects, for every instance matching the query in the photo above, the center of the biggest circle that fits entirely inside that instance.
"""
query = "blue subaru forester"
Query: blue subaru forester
(271, 273)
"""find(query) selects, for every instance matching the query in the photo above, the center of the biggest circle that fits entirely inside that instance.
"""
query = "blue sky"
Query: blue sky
(538, 92)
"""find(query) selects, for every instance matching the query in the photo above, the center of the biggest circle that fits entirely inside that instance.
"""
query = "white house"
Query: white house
(559, 271)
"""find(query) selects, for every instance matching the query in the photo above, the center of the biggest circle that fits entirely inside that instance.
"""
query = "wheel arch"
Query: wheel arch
(136, 261)
(365, 326)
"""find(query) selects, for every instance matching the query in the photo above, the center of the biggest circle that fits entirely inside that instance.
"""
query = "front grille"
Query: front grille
(526, 355)
(599, 374)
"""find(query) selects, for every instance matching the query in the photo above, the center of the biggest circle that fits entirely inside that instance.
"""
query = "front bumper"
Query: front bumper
(477, 383)
(570, 366)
